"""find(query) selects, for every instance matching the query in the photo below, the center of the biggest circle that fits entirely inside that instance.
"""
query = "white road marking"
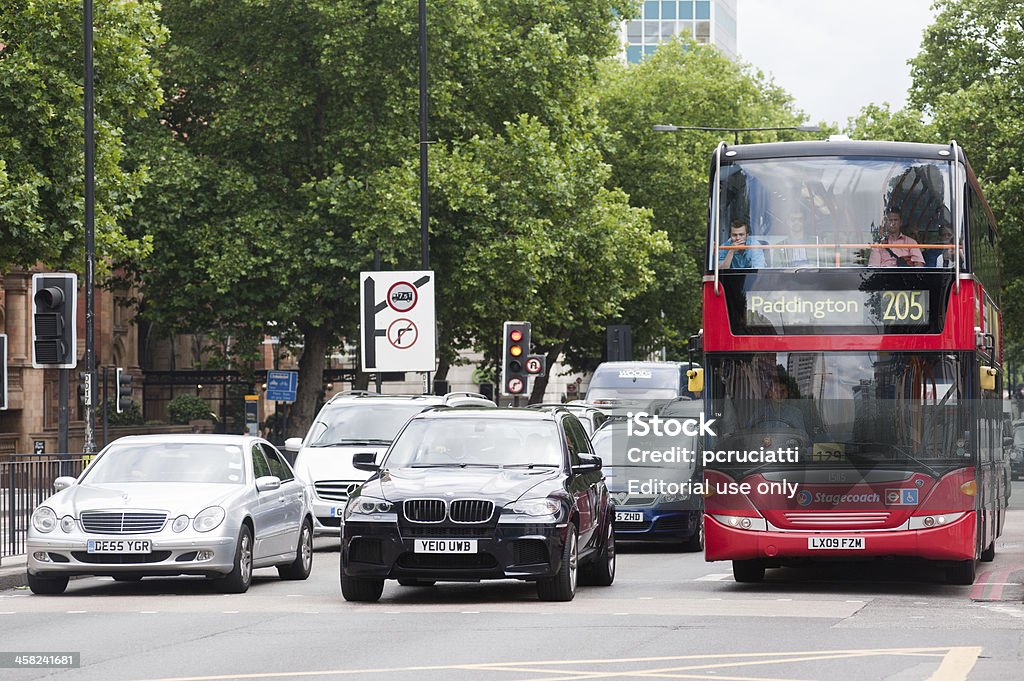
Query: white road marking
(715, 577)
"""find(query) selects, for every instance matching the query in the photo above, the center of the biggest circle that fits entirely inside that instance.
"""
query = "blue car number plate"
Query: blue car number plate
(119, 546)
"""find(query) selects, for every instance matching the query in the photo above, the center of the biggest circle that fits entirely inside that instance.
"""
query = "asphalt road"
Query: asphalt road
(669, 615)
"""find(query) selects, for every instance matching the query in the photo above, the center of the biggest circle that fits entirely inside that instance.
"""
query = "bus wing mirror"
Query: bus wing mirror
(695, 381)
(988, 377)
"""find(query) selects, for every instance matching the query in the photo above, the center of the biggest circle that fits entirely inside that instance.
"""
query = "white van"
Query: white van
(629, 386)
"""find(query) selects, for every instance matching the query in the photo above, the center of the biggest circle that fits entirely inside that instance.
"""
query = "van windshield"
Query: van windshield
(636, 378)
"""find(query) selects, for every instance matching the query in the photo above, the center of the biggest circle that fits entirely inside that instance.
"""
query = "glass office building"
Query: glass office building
(708, 21)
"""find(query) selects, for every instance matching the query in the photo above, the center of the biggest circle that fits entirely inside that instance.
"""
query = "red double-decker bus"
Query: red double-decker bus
(852, 355)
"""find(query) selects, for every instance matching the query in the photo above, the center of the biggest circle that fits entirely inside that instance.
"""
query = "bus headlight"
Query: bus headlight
(742, 522)
(925, 522)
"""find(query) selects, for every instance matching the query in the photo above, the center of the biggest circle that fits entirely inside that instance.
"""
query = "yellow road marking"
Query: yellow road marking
(957, 664)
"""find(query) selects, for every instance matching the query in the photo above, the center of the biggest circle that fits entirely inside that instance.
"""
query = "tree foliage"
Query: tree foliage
(682, 83)
(42, 126)
(286, 155)
(969, 79)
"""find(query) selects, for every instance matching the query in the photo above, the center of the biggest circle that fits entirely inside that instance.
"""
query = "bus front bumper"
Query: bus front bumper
(955, 542)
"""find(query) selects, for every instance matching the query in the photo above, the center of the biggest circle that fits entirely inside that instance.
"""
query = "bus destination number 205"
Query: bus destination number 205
(903, 307)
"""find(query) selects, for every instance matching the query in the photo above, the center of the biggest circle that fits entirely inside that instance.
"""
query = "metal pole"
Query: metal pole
(90, 256)
(63, 388)
(106, 407)
(424, 203)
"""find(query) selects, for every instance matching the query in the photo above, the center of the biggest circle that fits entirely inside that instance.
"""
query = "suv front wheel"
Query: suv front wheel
(562, 587)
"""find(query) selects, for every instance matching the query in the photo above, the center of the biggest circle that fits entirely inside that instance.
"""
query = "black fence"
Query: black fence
(25, 483)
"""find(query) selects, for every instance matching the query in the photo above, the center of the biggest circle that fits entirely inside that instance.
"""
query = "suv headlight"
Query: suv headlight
(546, 509)
(367, 506)
(44, 519)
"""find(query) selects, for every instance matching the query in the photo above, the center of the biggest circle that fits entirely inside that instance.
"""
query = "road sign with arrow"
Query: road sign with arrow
(398, 325)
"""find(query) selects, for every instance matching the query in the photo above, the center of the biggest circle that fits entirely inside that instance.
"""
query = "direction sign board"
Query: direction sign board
(397, 321)
(282, 385)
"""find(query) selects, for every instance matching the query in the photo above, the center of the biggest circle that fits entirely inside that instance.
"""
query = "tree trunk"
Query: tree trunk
(540, 384)
(311, 377)
(443, 365)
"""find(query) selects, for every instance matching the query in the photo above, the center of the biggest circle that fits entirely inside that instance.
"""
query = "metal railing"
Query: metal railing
(25, 482)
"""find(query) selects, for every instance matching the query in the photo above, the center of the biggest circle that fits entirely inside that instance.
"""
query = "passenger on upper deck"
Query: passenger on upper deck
(797, 256)
(739, 235)
(896, 251)
(943, 257)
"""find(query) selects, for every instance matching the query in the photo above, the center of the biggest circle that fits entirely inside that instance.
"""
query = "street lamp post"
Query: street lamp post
(735, 131)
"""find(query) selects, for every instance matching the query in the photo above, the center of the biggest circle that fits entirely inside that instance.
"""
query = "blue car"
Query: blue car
(651, 485)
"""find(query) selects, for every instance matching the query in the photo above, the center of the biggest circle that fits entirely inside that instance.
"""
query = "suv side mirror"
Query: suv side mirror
(365, 461)
(293, 444)
(588, 463)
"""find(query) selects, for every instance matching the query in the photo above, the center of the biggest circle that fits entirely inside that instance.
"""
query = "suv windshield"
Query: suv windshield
(459, 442)
(363, 423)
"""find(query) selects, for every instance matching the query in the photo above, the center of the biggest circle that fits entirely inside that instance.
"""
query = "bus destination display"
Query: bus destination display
(781, 309)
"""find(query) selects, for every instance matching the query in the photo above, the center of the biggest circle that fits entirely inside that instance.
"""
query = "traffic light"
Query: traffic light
(54, 297)
(515, 348)
(123, 382)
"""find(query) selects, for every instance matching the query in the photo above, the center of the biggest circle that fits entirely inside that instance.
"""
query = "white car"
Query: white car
(213, 505)
(350, 423)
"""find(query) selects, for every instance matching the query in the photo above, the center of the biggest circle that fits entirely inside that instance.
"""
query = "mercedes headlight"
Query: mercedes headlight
(44, 519)
(67, 524)
(367, 506)
(208, 519)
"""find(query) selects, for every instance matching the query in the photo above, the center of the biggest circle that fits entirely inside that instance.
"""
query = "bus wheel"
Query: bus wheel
(748, 571)
(961, 572)
(989, 554)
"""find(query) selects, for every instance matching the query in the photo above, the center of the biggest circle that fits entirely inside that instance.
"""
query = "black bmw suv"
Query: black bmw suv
(474, 494)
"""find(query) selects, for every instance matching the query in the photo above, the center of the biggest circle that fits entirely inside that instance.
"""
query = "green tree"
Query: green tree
(286, 154)
(682, 83)
(969, 78)
(42, 126)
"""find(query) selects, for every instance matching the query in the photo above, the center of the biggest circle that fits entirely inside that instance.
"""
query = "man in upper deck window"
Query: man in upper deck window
(896, 249)
(739, 235)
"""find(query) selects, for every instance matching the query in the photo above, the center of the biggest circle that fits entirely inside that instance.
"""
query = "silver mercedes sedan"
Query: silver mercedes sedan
(213, 505)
